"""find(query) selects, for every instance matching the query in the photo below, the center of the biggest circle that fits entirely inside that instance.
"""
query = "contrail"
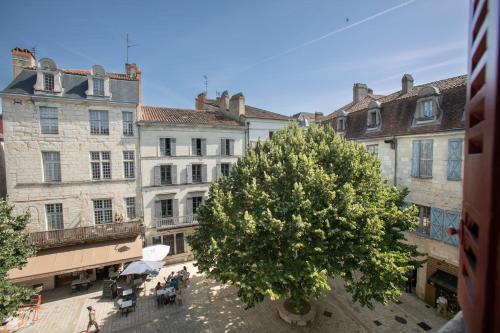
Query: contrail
(331, 33)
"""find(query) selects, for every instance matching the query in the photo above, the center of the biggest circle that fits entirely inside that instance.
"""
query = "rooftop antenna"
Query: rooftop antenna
(33, 51)
(129, 45)
(206, 84)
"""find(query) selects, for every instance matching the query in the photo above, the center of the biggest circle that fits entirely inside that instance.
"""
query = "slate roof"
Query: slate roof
(185, 116)
(75, 84)
(351, 107)
(253, 112)
(398, 109)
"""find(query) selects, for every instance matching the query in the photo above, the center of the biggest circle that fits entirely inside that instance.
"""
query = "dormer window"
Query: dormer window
(373, 116)
(373, 119)
(98, 87)
(427, 107)
(98, 83)
(48, 82)
(341, 124)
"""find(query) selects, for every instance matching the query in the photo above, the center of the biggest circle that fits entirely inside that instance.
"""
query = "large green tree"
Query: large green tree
(14, 253)
(299, 208)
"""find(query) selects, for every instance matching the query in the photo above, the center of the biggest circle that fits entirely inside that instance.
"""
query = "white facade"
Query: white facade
(181, 219)
(262, 129)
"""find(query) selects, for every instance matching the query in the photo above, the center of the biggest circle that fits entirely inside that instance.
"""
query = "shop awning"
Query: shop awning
(78, 257)
(444, 280)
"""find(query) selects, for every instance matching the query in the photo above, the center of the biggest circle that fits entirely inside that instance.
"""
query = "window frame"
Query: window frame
(166, 170)
(224, 166)
(423, 110)
(128, 124)
(99, 125)
(51, 167)
(196, 202)
(103, 165)
(373, 148)
(45, 116)
(48, 82)
(421, 165)
(341, 120)
(197, 166)
(54, 210)
(98, 86)
(130, 207)
(169, 207)
(128, 164)
(107, 211)
(168, 147)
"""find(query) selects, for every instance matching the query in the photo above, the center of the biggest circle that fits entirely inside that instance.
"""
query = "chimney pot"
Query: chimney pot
(318, 116)
(200, 101)
(406, 83)
(133, 71)
(21, 58)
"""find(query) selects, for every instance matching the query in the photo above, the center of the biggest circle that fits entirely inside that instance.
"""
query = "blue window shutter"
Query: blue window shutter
(415, 161)
(436, 223)
(455, 159)
(450, 221)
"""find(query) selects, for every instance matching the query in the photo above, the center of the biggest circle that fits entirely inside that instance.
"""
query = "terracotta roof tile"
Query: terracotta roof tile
(84, 72)
(351, 107)
(184, 116)
(253, 112)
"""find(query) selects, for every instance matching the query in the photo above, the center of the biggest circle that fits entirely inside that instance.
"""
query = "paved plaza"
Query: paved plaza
(210, 307)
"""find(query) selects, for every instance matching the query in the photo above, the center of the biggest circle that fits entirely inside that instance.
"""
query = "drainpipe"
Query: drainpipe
(247, 136)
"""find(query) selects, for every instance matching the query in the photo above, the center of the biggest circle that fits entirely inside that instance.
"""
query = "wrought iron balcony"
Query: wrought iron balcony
(95, 233)
(176, 221)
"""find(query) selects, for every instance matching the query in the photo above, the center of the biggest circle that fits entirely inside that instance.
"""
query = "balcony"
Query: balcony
(95, 233)
(176, 221)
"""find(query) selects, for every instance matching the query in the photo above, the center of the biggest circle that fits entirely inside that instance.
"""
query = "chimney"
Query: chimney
(224, 101)
(133, 71)
(406, 83)
(318, 116)
(200, 101)
(21, 58)
(359, 91)
(237, 106)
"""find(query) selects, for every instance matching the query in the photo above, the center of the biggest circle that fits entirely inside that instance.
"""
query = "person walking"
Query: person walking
(92, 321)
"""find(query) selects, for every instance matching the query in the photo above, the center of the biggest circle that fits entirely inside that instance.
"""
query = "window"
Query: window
(372, 149)
(422, 159)
(196, 173)
(225, 168)
(167, 208)
(196, 203)
(373, 120)
(179, 243)
(227, 147)
(128, 164)
(165, 174)
(169, 241)
(48, 82)
(197, 147)
(98, 87)
(156, 240)
(51, 166)
(130, 207)
(341, 124)
(54, 214)
(271, 133)
(103, 211)
(424, 225)
(455, 159)
(100, 162)
(99, 123)
(128, 123)
(165, 147)
(427, 109)
(49, 121)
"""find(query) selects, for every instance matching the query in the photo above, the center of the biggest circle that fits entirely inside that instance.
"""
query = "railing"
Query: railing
(176, 221)
(63, 237)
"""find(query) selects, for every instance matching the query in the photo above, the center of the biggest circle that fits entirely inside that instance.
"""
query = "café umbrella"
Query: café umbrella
(155, 252)
(143, 267)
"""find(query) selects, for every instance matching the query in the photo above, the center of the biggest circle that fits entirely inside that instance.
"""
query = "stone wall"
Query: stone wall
(24, 144)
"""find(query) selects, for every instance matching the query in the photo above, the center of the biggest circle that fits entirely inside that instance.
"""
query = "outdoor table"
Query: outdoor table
(125, 306)
(127, 292)
(77, 284)
(170, 291)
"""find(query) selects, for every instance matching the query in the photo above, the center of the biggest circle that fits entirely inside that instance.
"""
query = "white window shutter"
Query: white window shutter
(189, 173)
(223, 147)
(204, 147)
(189, 206)
(204, 173)
(157, 176)
(175, 207)
(173, 149)
(173, 171)
(193, 147)
(231, 147)
(219, 171)
(163, 146)
(158, 209)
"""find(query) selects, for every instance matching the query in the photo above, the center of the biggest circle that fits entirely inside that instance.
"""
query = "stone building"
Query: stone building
(71, 147)
(417, 133)
(183, 151)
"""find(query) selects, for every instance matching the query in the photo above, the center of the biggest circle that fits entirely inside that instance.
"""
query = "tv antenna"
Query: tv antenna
(206, 84)
(33, 51)
(129, 45)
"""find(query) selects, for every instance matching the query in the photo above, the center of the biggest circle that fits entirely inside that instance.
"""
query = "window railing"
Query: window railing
(63, 237)
(176, 221)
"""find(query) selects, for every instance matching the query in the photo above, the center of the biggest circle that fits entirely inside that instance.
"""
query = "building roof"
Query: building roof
(351, 107)
(397, 112)
(75, 85)
(84, 72)
(185, 116)
(253, 112)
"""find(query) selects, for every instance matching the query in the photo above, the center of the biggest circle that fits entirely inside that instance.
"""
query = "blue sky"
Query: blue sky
(285, 56)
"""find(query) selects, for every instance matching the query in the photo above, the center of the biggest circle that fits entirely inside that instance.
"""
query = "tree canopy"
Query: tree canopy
(299, 208)
(14, 253)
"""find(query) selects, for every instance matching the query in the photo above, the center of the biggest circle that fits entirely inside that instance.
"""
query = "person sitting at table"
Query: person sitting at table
(158, 286)
(173, 283)
(170, 277)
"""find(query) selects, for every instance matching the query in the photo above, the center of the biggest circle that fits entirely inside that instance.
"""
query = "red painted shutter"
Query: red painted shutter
(479, 273)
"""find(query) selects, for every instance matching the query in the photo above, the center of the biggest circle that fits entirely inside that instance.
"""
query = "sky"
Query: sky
(284, 56)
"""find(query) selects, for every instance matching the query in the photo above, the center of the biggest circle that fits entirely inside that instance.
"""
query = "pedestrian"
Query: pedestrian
(178, 296)
(92, 321)
(442, 305)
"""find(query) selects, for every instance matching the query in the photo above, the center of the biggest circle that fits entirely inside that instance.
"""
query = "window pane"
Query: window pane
(51, 166)
(166, 174)
(48, 82)
(99, 123)
(103, 211)
(156, 240)
(130, 205)
(128, 123)
(98, 87)
(54, 216)
(49, 120)
(169, 241)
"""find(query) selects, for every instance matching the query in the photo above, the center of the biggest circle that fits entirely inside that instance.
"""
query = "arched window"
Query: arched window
(428, 109)
(48, 79)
